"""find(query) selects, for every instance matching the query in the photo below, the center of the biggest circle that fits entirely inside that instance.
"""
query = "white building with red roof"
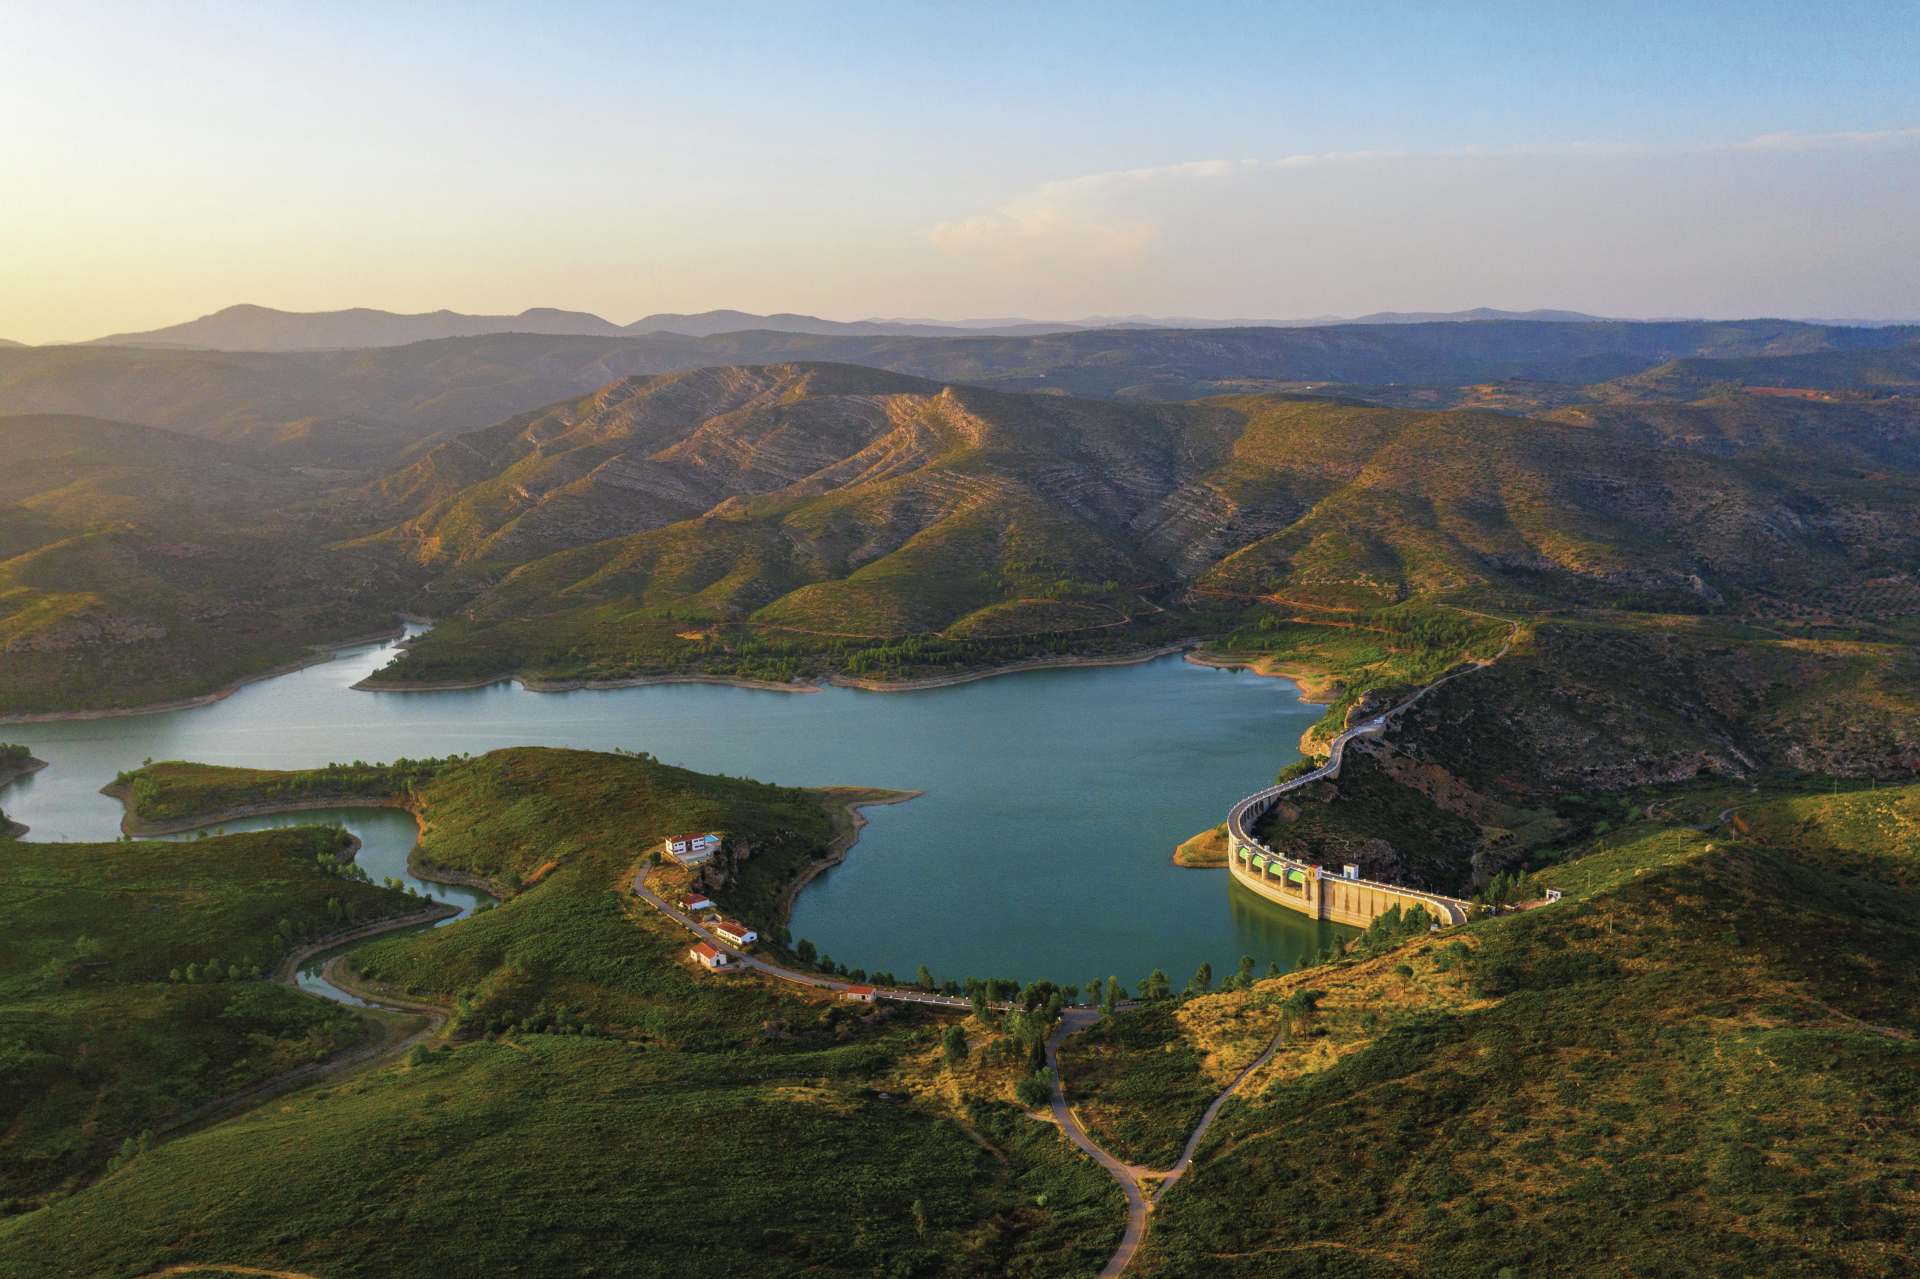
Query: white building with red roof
(692, 850)
(710, 955)
(734, 934)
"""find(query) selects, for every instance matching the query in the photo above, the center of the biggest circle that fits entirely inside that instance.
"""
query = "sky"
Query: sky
(957, 161)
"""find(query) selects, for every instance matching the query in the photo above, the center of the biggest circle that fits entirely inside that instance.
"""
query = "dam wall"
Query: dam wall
(1310, 889)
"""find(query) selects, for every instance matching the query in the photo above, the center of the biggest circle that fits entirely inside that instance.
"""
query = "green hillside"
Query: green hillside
(369, 406)
(143, 565)
(1654, 1076)
(847, 508)
(587, 1053)
(129, 996)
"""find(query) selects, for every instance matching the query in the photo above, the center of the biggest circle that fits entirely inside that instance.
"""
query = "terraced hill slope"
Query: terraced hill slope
(833, 501)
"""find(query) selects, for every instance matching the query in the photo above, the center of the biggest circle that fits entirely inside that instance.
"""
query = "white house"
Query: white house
(691, 850)
(710, 955)
(694, 902)
(734, 934)
(862, 993)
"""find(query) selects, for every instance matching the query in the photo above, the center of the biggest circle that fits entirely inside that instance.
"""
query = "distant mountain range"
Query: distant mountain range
(356, 408)
(259, 328)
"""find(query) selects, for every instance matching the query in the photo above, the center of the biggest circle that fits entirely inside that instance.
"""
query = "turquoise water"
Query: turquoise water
(386, 837)
(1042, 847)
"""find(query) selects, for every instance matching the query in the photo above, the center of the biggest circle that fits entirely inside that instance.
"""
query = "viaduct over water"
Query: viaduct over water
(1310, 889)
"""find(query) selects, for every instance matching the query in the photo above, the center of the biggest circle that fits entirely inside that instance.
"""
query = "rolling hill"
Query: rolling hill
(143, 565)
(832, 501)
(397, 397)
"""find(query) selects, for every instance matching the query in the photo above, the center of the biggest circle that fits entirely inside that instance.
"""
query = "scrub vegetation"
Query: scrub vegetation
(1653, 1076)
(133, 991)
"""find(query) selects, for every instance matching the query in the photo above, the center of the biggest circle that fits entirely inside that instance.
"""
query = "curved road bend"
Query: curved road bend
(1138, 1205)
(773, 970)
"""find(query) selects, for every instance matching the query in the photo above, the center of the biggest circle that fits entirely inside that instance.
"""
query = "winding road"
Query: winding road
(1131, 1176)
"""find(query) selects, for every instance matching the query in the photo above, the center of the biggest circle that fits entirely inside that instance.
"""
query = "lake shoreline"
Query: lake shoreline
(833, 680)
(131, 824)
(844, 813)
(321, 653)
(1205, 851)
(1009, 668)
(284, 971)
(1317, 688)
(576, 685)
(10, 772)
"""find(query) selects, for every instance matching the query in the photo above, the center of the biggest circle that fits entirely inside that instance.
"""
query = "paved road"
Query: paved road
(786, 974)
(1138, 1205)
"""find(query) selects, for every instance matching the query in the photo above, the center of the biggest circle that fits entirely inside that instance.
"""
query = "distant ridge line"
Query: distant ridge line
(257, 328)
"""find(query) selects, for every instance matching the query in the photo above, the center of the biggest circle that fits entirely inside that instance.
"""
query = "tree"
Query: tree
(255, 973)
(1035, 1091)
(1037, 1049)
(806, 951)
(233, 972)
(1403, 971)
(978, 992)
(1202, 978)
(1093, 991)
(1246, 970)
(1273, 970)
(858, 974)
(1158, 985)
(193, 972)
(174, 975)
(953, 1045)
(1299, 768)
(1115, 993)
(924, 978)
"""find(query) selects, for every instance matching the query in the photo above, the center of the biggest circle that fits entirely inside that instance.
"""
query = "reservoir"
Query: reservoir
(1041, 849)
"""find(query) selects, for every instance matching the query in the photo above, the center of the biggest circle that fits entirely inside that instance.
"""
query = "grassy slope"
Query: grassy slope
(1137, 1085)
(1648, 1078)
(143, 566)
(98, 1043)
(1612, 700)
(696, 1102)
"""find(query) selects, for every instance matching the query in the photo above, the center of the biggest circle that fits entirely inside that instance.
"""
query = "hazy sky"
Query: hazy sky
(161, 161)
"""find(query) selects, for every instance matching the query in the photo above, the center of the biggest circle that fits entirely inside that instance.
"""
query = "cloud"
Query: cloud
(1106, 219)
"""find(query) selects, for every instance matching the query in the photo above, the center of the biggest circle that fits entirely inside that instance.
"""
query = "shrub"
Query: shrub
(1035, 1091)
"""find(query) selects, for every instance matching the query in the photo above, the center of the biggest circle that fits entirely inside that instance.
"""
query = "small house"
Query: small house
(711, 956)
(692, 850)
(1554, 894)
(1350, 871)
(694, 902)
(734, 934)
(862, 993)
